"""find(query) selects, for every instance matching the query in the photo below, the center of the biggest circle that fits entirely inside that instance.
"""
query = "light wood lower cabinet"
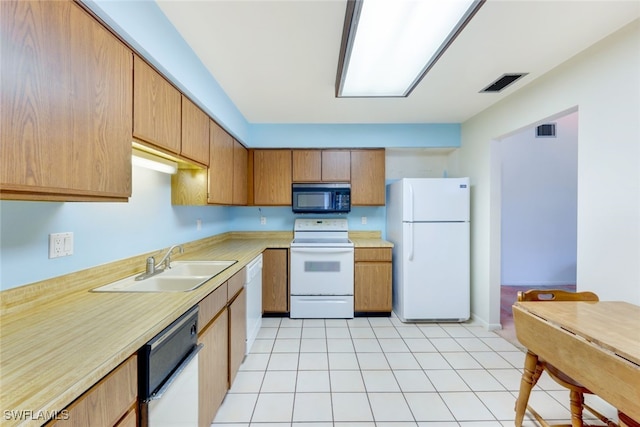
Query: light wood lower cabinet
(107, 403)
(129, 420)
(275, 281)
(372, 281)
(213, 365)
(237, 333)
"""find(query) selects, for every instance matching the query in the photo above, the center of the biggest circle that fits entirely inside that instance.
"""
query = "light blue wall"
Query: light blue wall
(281, 218)
(103, 232)
(142, 24)
(355, 135)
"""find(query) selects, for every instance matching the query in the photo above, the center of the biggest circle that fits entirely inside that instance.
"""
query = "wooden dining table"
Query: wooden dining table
(595, 343)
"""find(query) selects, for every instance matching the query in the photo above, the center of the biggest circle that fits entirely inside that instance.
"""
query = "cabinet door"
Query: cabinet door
(367, 177)
(336, 165)
(156, 108)
(239, 174)
(272, 177)
(66, 96)
(306, 165)
(195, 132)
(237, 333)
(372, 279)
(220, 166)
(372, 287)
(275, 281)
(107, 401)
(213, 366)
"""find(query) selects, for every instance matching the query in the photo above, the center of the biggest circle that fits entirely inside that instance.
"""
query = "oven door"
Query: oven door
(321, 271)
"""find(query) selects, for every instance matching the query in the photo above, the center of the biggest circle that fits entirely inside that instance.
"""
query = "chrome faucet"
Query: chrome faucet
(152, 268)
(166, 259)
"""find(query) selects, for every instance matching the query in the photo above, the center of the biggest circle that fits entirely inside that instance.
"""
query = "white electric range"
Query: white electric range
(321, 269)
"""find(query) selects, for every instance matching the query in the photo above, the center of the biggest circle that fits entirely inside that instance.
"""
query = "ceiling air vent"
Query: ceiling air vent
(502, 82)
(547, 130)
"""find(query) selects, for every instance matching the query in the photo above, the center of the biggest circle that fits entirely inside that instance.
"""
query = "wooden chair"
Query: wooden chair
(576, 390)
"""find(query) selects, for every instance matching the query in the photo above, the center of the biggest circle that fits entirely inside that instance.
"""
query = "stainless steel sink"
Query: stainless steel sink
(183, 276)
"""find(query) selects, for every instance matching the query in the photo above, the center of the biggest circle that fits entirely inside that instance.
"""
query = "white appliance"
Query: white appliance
(428, 222)
(253, 288)
(321, 269)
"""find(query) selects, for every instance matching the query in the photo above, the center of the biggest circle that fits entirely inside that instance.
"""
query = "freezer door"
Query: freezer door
(436, 199)
(436, 272)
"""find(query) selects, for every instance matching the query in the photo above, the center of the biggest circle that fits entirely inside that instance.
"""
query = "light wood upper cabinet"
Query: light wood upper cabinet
(306, 165)
(272, 177)
(240, 156)
(66, 96)
(367, 177)
(220, 166)
(321, 166)
(336, 165)
(156, 108)
(195, 133)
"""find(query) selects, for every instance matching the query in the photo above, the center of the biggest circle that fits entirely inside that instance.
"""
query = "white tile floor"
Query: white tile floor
(378, 371)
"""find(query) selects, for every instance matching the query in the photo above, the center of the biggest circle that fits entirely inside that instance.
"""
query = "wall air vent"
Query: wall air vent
(547, 130)
(502, 82)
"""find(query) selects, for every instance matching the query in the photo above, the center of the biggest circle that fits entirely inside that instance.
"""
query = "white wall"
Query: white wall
(416, 162)
(539, 206)
(602, 82)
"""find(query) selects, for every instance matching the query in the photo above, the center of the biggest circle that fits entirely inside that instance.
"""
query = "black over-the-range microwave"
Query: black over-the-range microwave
(321, 198)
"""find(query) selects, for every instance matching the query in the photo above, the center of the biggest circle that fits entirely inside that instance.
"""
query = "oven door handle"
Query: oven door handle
(321, 249)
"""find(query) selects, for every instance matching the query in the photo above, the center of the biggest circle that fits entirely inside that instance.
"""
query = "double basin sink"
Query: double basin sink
(183, 276)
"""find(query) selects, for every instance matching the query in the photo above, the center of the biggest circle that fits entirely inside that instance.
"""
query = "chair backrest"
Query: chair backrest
(556, 295)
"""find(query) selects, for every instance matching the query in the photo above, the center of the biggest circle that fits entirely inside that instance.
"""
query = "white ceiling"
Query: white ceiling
(277, 60)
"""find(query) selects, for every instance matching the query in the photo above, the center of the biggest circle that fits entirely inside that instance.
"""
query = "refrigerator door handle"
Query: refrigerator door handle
(410, 241)
(410, 203)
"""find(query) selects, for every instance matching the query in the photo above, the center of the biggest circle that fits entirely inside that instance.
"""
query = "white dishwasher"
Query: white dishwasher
(253, 288)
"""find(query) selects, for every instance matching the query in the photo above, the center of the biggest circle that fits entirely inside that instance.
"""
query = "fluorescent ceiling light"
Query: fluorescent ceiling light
(389, 45)
(149, 161)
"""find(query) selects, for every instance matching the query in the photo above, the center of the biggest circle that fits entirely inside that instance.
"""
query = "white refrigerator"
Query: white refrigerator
(428, 223)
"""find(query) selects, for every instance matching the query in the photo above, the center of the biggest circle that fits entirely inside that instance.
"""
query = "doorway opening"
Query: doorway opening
(538, 211)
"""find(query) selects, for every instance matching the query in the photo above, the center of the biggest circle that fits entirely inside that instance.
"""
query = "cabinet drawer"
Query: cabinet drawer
(211, 305)
(372, 254)
(235, 284)
(107, 401)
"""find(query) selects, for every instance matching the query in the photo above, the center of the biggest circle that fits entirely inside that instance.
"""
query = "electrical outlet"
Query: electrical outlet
(60, 244)
(363, 219)
(263, 220)
(198, 224)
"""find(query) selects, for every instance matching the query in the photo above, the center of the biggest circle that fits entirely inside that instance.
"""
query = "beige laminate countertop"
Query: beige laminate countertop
(57, 339)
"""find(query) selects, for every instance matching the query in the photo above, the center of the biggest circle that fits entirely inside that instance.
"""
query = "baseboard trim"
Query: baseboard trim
(488, 326)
